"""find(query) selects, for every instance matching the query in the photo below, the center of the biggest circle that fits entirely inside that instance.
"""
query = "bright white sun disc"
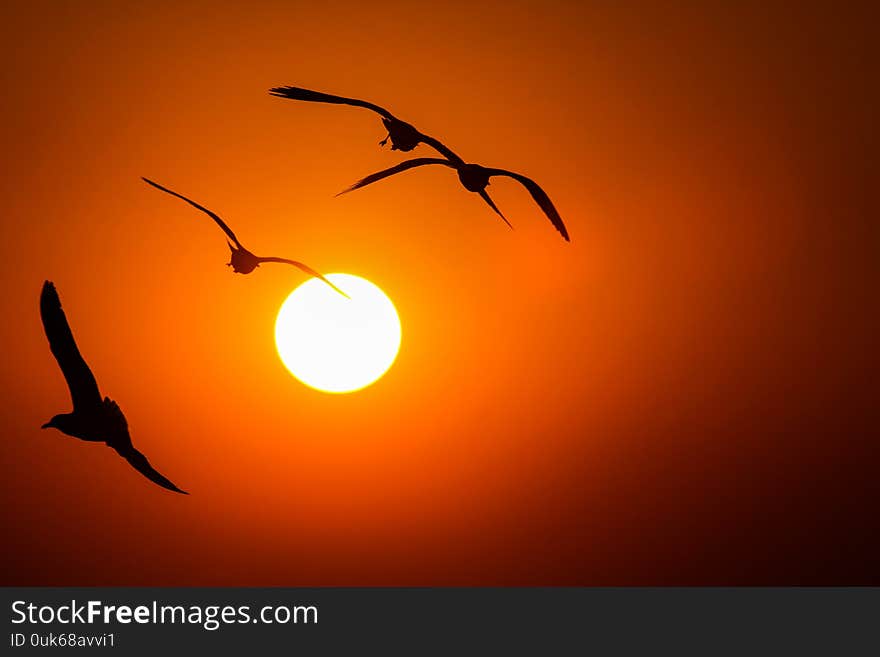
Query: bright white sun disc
(336, 344)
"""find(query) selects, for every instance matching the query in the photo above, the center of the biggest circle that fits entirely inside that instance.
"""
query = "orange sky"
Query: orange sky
(683, 394)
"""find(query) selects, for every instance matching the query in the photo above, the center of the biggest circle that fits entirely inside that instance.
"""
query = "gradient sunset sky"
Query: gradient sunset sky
(685, 394)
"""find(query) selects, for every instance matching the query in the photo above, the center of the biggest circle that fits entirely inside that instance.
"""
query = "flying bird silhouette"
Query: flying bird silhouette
(404, 136)
(475, 178)
(243, 261)
(92, 419)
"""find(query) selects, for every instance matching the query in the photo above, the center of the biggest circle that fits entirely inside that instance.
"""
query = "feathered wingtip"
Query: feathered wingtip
(49, 295)
(335, 288)
(347, 190)
(297, 93)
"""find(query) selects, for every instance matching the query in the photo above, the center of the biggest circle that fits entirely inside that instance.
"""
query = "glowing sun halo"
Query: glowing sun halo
(336, 344)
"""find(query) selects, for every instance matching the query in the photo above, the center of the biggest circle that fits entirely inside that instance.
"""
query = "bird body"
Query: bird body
(99, 423)
(473, 177)
(93, 419)
(241, 260)
(403, 136)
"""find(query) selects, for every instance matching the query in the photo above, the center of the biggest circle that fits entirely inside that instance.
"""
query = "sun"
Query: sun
(335, 344)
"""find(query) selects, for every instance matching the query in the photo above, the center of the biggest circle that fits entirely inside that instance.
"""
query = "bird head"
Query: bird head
(55, 423)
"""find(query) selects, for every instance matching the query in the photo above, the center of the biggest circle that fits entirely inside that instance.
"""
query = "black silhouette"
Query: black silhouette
(242, 260)
(475, 178)
(92, 419)
(404, 136)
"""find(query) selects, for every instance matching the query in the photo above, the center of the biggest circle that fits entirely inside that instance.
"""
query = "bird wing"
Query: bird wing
(485, 196)
(140, 463)
(403, 166)
(120, 440)
(441, 148)
(118, 424)
(306, 269)
(80, 380)
(220, 222)
(540, 197)
(298, 93)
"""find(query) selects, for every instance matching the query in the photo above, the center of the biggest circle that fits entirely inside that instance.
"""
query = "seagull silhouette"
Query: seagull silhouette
(243, 261)
(475, 178)
(92, 419)
(404, 136)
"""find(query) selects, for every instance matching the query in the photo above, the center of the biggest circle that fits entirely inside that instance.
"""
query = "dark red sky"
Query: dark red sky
(685, 394)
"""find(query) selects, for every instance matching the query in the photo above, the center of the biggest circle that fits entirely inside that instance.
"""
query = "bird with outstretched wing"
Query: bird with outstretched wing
(93, 419)
(403, 136)
(243, 261)
(474, 178)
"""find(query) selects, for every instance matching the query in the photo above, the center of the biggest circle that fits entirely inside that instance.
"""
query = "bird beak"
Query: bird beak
(48, 425)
